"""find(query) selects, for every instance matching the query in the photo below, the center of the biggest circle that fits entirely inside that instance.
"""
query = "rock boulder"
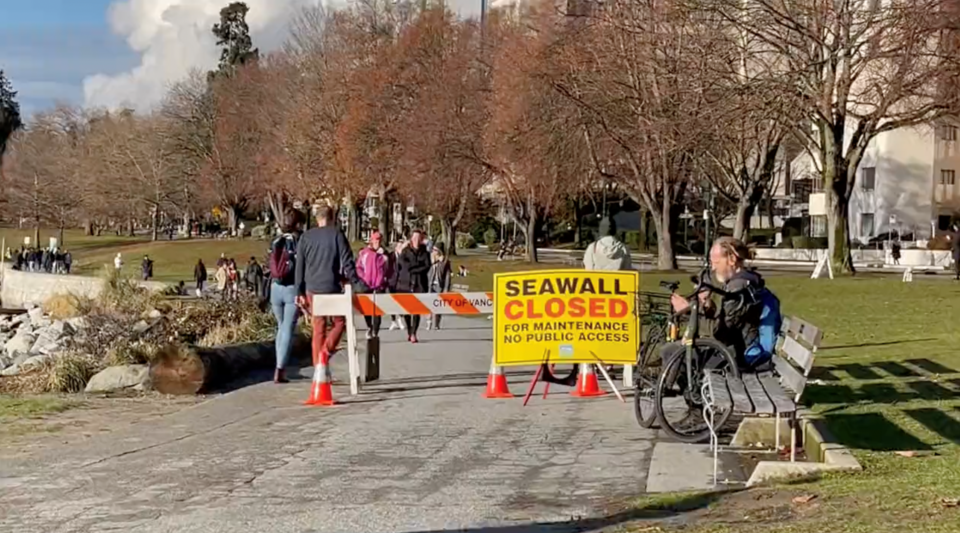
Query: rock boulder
(117, 378)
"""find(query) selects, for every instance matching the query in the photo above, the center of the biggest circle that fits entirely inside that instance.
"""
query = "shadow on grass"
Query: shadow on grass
(872, 431)
(938, 422)
(910, 368)
(660, 508)
(877, 393)
(873, 344)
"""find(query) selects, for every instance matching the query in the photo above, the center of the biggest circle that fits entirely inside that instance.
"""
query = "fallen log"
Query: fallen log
(185, 370)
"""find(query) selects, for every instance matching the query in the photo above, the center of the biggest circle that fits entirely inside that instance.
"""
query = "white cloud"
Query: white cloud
(173, 37)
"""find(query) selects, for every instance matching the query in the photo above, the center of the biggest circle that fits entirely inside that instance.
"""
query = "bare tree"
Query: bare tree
(854, 69)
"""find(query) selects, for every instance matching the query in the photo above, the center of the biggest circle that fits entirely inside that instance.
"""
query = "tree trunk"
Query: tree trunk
(577, 225)
(88, 227)
(448, 232)
(60, 233)
(741, 225)
(132, 227)
(838, 230)
(155, 223)
(187, 229)
(36, 231)
(383, 214)
(232, 219)
(277, 202)
(644, 243)
(530, 235)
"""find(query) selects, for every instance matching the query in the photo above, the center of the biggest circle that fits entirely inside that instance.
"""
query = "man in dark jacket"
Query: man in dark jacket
(146, 268)
(412, 276)
(738, 315)
(253, 276)
(324, 259)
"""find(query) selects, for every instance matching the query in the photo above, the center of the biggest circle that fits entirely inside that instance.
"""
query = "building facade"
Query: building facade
(906, 186)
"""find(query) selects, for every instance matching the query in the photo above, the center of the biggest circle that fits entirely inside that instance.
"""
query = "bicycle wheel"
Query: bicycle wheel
(675, 397)
(645, 378)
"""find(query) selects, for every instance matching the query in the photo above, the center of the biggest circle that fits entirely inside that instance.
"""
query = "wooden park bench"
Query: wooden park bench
(765, 394)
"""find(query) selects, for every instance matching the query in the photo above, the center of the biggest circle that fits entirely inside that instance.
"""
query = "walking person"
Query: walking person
(414, 267)
(253, 275)
(324, 261)
(607, 252)
(396, 322)
(67, 261)
(373, 267)
(439, 277)
(283, 289)
(118, 262)
(200, 276)
(233, 275)
(895, 253)
(146, 268)
(222, 278)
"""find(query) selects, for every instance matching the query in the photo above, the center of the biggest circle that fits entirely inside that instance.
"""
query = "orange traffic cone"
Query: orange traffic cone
(497, 383)
(321, 391)
(587, 383)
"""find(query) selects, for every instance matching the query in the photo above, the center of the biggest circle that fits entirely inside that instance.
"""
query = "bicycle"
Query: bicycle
(682, 375)
(660, 326)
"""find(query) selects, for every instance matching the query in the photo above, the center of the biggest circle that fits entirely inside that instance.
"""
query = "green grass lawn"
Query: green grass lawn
(889, 380)
(16, 407)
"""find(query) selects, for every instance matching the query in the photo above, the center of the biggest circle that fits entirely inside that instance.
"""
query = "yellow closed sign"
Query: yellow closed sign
(566, 316)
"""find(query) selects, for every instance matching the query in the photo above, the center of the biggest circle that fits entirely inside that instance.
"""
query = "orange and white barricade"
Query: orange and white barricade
(446, 303)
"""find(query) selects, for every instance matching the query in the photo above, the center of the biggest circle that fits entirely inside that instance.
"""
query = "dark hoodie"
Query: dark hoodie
(738, 321)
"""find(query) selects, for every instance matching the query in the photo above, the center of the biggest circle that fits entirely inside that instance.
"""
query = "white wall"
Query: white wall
(20, 288)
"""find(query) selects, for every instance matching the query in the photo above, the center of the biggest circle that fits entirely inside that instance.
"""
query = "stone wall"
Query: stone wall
(21, 288)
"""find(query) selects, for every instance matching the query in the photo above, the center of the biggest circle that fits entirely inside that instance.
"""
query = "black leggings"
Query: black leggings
(413, 323)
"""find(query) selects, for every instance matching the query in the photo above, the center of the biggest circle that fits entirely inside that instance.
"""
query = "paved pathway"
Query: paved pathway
(420, 451)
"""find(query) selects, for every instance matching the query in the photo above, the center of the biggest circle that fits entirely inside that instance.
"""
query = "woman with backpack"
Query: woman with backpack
(373, 267)
(283, 289)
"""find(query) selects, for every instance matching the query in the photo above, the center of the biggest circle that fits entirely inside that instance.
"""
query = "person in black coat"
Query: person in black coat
(413, 268)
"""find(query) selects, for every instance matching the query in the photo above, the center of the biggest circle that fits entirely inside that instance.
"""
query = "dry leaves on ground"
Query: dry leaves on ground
(806, 498)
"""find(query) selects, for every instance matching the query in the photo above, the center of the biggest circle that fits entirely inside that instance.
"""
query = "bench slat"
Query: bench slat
(758, 396)
(797, 353)
(741, 401)
(790, 377)
(803, 330)
(781, 402)
(721, 396)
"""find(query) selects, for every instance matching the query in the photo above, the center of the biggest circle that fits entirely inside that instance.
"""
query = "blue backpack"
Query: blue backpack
(761, 350)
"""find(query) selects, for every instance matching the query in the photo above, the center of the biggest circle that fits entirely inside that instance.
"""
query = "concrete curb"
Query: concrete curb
(819, 445)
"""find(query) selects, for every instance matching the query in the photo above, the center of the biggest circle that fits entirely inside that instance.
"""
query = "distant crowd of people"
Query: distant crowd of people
(49, 260)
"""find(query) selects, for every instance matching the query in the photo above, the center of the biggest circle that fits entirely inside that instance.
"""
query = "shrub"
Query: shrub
(261, 232)
(61, 306)
(809, 243)
(490, 237)
(465, 241)
(631, 239)
(70, 372)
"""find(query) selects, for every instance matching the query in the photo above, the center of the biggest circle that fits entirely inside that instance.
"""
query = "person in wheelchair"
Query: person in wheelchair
(748, 316)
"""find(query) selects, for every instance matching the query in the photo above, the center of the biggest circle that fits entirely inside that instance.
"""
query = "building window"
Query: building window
(869, 179)
(866, 225)
(948, 177)
(948, 133)
(818, 226)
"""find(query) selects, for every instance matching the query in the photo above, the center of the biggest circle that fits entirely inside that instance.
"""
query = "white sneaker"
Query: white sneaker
(393, 326)
(403, 325)
(369, 334)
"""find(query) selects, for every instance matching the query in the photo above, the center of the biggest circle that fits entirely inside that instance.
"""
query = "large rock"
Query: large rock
(35, 314)
(12, 370)
(19, 320)
(5, 361)
(116, 378)
(78, 322)
(20, 344)
(50, 339)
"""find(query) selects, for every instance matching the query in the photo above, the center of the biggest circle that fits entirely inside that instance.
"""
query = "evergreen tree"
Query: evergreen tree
(10, 120)
(233, 36)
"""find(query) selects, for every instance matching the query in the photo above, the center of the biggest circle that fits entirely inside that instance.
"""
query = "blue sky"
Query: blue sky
(47, 47)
